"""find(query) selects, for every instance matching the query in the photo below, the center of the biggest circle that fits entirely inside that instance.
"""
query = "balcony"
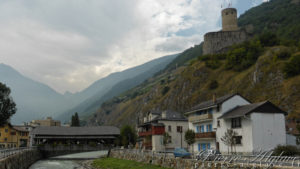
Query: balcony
(160, 130)
(200, 118)
(148, 145)
(207, 135)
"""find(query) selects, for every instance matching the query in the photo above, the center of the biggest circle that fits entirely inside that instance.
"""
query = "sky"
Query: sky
(69, 44)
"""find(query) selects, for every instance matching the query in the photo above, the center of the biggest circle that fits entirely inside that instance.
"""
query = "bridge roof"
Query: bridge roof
(76, 131)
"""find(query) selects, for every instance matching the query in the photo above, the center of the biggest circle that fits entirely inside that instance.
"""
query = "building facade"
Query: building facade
(13, 136)
(258, 126)
(151, 131)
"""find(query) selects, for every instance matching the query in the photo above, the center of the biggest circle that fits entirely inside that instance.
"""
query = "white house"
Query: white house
(259, 126)
(157, 123)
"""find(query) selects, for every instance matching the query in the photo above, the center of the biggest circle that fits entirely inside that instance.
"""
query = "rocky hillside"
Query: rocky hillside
(258, 70)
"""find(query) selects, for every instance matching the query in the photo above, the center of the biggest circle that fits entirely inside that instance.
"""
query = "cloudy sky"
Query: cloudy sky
(68, 44)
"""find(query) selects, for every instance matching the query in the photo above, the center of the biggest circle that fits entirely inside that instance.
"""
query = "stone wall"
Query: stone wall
(21, 160)
(176, 163)
(218, 42)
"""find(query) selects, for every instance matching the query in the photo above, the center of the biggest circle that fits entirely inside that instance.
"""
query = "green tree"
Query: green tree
(189, 137)
(229, 139)
(7, 105)
(166, 140)
(128, 136)
(75, 122)
(292, 67)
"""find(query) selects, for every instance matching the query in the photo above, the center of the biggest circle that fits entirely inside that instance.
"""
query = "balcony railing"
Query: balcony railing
(145, 133)
(206, 135)
(200, 118)
(148, 145)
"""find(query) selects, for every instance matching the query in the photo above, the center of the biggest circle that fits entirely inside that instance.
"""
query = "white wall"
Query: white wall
(268, 130)
(291, 140)
(177, 137)
(157, 143)
(224, 125)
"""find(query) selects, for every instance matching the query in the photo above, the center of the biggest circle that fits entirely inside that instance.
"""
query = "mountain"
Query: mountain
(255, 69)
(93, 96)
(34, 100)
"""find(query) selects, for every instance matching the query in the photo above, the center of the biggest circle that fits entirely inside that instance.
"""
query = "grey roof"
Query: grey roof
(262, 107)
(211, 103)
(76, 131)
(173, 116)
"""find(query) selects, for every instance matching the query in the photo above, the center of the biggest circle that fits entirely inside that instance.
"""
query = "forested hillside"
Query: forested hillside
(265, 68)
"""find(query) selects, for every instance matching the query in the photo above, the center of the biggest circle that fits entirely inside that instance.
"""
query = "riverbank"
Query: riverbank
(114, 163)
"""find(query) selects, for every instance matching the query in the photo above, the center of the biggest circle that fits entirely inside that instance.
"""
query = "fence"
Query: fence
(4, 153)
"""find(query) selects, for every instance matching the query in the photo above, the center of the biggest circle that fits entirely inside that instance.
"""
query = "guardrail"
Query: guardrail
(4, 153)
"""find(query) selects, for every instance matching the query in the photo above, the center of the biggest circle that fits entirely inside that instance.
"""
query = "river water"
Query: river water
(67, 164)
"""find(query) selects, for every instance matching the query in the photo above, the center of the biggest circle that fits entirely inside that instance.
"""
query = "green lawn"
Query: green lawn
(113, 163)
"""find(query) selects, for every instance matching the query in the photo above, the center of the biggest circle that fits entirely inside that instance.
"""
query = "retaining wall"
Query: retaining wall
(176, 163)
(21, 160)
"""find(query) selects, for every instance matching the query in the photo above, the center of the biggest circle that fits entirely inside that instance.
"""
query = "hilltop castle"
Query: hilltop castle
(218, 42)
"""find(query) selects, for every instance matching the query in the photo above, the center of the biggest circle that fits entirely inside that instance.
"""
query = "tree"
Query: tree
(128, 136)
(7, 105)
(75, 120)
(229, 139)
(189, 137)
(166, 140)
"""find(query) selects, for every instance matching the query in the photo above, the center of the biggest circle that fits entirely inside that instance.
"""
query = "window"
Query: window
(5, 139)
(179, 129)
(169, 128)
(197, 129)
(202, 129)
(218, 123)
(0, 133)
(238, 140)
(170, 139)
(236, 122)
(210, 111)
(6, 130)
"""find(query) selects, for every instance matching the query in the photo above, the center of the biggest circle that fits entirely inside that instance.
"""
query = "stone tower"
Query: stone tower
(229, 19)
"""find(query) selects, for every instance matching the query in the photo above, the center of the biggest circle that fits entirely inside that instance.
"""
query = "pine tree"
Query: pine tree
(75, 122)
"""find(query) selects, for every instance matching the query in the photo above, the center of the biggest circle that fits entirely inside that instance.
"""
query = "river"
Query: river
(67, 164)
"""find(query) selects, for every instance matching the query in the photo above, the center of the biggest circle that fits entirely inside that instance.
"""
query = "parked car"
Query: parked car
(208, 154)
(181, 152)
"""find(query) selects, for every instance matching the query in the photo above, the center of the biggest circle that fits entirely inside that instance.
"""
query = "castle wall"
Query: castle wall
(218, 42)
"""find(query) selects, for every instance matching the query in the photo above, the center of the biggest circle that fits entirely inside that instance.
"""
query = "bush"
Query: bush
(244, 55)
(292, 67)
(165, 90)
(287, 150)
(268, 39)
(213, 84)
(284, 54)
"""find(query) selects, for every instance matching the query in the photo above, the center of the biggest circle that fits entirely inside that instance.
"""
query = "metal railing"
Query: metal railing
(4, 153)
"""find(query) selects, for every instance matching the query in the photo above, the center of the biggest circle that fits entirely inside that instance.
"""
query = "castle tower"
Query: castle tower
(229, 19)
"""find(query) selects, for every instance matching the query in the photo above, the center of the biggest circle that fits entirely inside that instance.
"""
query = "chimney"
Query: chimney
(214, 99)
(164, 114)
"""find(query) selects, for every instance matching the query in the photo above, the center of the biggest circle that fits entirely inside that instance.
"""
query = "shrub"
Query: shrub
(165, 90)
(287, 150)
(292, 67)
(268, 39)
(284, 54)
(213, 84)
(244, 55)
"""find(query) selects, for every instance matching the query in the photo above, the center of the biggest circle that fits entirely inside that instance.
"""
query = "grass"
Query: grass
(114, 163)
